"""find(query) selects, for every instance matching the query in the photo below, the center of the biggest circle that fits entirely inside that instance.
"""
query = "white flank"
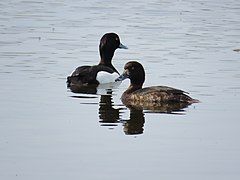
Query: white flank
(104, 77)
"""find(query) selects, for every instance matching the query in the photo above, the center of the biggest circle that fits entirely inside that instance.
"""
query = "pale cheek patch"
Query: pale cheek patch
(104, 77)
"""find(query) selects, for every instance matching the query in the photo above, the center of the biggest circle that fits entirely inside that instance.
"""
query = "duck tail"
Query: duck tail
(194, 101)
(69, 80)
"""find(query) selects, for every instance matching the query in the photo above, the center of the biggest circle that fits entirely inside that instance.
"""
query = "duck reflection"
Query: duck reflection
(83, 89)
(108, 115)
(165, 107)
(135, 124)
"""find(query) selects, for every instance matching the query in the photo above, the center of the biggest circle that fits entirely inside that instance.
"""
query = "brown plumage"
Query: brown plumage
(150, 97)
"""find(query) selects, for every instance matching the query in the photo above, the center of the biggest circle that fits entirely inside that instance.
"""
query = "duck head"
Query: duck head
(108, 44)
(134, 71)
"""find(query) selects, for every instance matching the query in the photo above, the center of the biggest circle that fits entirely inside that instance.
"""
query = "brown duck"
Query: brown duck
(150, 97)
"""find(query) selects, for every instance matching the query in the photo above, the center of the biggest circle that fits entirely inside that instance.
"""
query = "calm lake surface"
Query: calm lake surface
(49, 132)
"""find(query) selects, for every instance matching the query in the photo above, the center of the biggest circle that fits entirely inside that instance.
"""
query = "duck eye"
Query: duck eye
(117, 39)
(133, 68)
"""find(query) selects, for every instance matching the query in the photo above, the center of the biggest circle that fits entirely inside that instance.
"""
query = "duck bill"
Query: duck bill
(122, 77)
(121, 46)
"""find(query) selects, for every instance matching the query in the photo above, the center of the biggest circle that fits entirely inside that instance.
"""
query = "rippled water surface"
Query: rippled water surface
(49, 132)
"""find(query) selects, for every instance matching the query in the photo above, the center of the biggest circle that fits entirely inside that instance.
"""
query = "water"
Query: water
(48, 132)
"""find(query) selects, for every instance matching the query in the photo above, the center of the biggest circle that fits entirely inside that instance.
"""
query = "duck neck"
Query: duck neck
(106, 56)
(106, 59)
(133, 87)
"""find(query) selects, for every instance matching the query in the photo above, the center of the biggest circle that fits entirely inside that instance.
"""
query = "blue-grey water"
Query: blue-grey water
(48, 132)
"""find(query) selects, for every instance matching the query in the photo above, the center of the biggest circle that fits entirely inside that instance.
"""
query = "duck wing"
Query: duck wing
(163, 94)
(161, 89)
(81, 71)
(80, 76)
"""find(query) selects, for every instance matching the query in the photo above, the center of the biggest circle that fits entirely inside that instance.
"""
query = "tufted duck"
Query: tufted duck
(137, 96)
(104, 72)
